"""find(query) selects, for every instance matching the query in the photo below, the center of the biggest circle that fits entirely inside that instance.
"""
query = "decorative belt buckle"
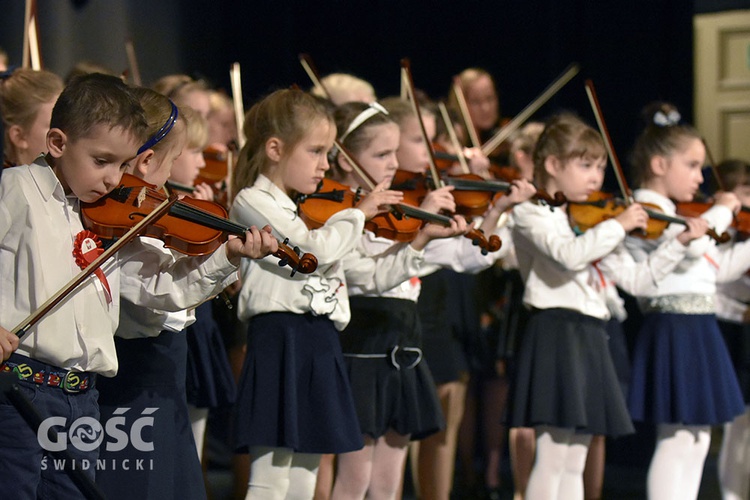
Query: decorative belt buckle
(72, 382)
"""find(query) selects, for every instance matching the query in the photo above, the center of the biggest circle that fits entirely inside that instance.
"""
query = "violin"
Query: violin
(193, 227)
(600, 207)
(606, 209)
(741, 221)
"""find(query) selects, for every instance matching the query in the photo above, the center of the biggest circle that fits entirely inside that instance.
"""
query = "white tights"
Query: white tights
(734, 459)
(677, 465)
(560, 460)
(281, 474)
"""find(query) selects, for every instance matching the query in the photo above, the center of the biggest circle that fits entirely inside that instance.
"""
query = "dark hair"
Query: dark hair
(359, 138)
(94, 99)
(733, 173)
(664, 133)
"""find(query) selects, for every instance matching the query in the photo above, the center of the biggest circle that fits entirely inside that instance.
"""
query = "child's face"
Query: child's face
(187, 166)
(743, 193)
(576, 178)
(683, 173)
(36, 135)
(221, 126)
(481, 99)
(379, 157)
(92, 166)
(412, 151)
(301, 169)
(199, 100)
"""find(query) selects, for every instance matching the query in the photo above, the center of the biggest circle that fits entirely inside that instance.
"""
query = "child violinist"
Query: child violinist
(682, 378)
(97, 126)
(341, 88)
(152, 347)
(26, 101)
(566, 385)
(733, 314)
(393, 387)
(294, 400)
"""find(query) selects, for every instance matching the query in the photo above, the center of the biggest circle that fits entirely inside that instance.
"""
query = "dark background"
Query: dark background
(634, 51)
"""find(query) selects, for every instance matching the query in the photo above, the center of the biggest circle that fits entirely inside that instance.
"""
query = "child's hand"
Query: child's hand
(8, 343)
(728, 199)
(439, 199)
(378, 201)
(633, 217)
(433, 231)
(256, 245)
(695, 228)
(520, 191)
(203, 192)
(478, 162)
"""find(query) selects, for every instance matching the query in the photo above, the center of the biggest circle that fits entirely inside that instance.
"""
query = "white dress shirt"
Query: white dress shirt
(341, 263)
(38, 227)
(557, 265)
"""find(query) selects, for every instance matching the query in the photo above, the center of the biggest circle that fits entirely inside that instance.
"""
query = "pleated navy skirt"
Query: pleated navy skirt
(392, 384)
(566, 378)
(209, 383)
(682, 373)
(294, 391)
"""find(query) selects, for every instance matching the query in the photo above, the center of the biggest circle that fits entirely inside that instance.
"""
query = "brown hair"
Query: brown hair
(176, 87)
(21, 95)
(286, 114)
(733, 173)
(359, 138)
(158, 110)
(525, 139)
(95, 99)
(662, 136)
(565, 136)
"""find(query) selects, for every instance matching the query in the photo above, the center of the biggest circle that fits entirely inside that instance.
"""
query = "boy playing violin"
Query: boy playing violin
(96, 128)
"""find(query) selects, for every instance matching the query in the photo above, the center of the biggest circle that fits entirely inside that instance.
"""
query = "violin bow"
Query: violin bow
(458, 91)
(409, 82)
(42, 310)
(32, 57)
(307, 64)
(510, 127)
(627, 194)
(453, 138)
(714, 170)
(133, 62)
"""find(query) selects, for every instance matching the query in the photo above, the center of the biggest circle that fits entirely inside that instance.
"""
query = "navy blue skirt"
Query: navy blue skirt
(294, 391)
(566, 378)
(682, 373)
(150, 383)
(210, 382)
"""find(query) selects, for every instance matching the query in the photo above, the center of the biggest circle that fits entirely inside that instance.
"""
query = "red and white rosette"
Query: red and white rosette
(86, 248)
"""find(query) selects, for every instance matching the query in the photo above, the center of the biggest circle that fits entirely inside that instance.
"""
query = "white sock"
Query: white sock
(677, 465)
(559, 464)
(734, 459)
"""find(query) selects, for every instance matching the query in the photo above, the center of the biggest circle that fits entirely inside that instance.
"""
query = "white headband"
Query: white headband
(373, 109)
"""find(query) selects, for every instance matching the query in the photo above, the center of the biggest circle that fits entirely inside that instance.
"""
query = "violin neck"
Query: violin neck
(472, 185)
(194, 214)
(664, 217)
(420, 214)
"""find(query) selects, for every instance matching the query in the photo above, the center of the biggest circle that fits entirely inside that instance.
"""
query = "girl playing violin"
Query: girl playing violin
(682, 377)
(26, 100)
(566, 386)
(733, 314)
(294, 398)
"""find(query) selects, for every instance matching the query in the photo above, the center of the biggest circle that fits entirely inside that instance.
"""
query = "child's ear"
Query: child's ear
(343, 163)
(658, 165)
(56, 142)
(143, 163)
(17, 137)
(553, 166)
(274, 149)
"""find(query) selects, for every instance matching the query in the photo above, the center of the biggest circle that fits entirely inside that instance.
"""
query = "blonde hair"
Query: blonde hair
(343, 88)
(565, 136)
(197, 128)
(158, 109)
(466, 79)
(525, 140)
(21, 95)
(287, 114)
(177, 87)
